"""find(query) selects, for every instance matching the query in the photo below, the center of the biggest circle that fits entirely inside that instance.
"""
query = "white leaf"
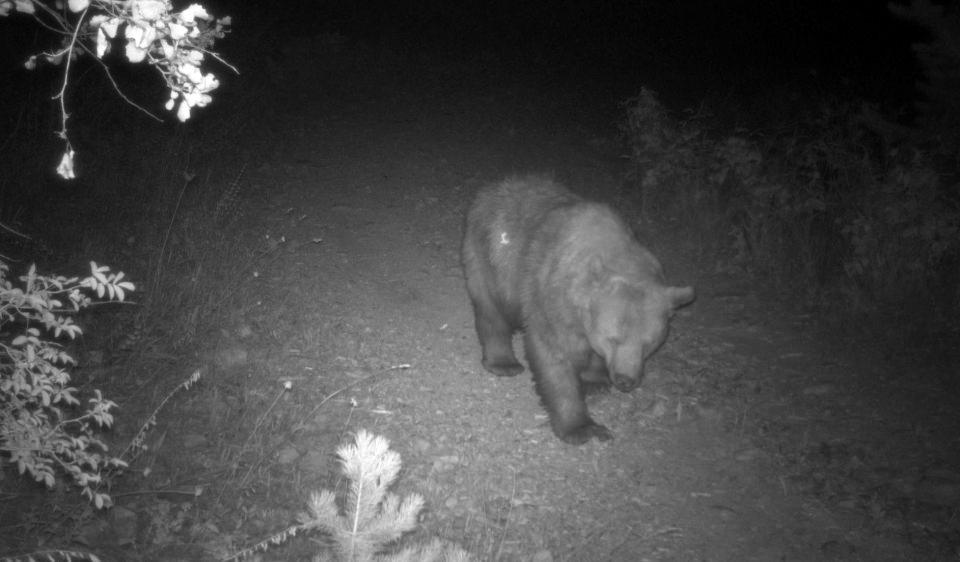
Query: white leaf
(110, 27)
(133, 33)
(183, 112)
(209, 83)
(169, 51)
(103, 43)
(25, 6)
(65, 169)
(150, 10)
(78, 5)
(193, 12)
(194, 57)
(31, 62)
(169, 104)
(177, 31)
(196, 98)
(190, 72)
(135, 54)
(149, 36)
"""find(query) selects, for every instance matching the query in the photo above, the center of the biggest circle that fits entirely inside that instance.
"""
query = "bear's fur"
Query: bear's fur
(568, 272)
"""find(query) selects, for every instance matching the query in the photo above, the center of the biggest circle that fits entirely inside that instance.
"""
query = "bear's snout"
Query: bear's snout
(625, 383)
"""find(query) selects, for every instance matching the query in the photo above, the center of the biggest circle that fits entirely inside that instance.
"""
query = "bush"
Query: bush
(824, 210)
(37, 432)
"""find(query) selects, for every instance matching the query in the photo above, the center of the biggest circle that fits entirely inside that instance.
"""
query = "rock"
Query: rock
(542, 556)
(445, 463)
(819, 390)
(288, 455)
(314, 462)
(193, 440)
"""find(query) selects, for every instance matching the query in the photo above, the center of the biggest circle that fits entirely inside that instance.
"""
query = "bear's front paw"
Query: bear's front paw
(503, 368)
(584, 433)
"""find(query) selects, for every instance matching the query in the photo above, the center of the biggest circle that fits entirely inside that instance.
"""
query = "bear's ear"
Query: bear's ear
(680, 296)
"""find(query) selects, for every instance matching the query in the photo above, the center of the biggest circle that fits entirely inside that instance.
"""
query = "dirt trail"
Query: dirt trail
(715, 458)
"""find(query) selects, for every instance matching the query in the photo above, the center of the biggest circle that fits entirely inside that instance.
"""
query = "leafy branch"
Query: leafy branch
(174, 43)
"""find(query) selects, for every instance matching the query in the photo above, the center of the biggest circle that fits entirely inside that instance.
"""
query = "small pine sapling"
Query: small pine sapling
(373, 517)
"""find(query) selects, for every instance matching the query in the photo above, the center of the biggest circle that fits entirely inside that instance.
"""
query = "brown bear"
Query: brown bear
(591, 301)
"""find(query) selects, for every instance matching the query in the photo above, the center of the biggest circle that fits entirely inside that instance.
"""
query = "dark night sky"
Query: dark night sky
(702, 45)
(687, 50)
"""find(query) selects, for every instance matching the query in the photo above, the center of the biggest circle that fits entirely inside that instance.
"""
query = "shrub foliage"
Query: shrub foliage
(44, 430)
(828, 210)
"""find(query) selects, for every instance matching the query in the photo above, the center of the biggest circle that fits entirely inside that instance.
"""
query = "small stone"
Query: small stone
(819, 390)
(747, 455)
(288, 455)
(314, 462)
(542, 556)
(445, 463)
(193, 440)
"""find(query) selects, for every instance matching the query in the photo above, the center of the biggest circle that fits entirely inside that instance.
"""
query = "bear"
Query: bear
(570, 274)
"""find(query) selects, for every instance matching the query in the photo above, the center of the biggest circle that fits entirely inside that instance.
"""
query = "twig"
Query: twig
(283, 389)
(116, 87)
(136, 443)
(64, 116)
(400, 367)
(187, 178)
(196, 491)
(20, 234)
(506, 521)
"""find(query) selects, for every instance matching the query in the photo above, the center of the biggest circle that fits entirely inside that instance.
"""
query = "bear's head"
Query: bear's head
(627, 322)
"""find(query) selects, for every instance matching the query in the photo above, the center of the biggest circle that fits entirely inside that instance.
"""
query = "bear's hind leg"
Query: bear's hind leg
(496, 338)
(558, 385)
